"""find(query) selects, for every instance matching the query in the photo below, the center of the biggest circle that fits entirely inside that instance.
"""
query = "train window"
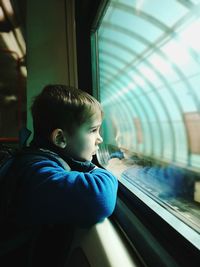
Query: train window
(146, 74)
(12, 73)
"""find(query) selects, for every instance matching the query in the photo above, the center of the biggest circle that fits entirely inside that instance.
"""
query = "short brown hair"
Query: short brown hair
(61, 106)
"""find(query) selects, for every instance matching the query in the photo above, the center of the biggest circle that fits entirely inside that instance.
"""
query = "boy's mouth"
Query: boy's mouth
(95, 151)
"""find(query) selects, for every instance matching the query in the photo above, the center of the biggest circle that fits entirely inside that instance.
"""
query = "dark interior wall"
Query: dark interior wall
(85, 12)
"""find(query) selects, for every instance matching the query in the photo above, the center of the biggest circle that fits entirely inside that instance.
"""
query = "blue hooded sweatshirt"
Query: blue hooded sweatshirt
(52, 189)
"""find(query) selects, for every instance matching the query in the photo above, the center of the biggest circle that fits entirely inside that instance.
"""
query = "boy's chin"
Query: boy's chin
(89, 158)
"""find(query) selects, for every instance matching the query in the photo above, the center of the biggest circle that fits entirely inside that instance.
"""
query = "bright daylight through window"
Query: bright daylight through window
(148, 65)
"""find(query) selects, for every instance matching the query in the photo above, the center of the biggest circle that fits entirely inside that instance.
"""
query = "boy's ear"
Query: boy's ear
(58, 138)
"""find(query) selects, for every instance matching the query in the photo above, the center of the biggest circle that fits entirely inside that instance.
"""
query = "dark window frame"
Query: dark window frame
(157, 243)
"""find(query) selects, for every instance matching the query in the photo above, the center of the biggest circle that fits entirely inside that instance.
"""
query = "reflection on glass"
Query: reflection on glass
(149, 79)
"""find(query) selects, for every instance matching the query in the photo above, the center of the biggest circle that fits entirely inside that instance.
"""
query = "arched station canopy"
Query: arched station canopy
(148, 65)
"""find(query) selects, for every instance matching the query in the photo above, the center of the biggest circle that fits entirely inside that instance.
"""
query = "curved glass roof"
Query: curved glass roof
(149, 78)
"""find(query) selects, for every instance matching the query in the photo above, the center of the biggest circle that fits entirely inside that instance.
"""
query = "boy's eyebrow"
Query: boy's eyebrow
(95, 126)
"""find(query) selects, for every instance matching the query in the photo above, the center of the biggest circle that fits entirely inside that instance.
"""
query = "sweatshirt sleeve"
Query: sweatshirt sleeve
(50, 194)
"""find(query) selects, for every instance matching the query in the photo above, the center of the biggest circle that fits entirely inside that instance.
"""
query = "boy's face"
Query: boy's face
(83, 144)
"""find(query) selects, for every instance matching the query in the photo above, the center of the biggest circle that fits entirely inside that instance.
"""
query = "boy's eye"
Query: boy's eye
(93, 130)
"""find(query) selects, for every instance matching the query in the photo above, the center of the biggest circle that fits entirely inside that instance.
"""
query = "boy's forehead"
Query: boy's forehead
(95, 119)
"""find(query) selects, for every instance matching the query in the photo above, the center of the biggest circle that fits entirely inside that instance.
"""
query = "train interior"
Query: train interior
(141, 60)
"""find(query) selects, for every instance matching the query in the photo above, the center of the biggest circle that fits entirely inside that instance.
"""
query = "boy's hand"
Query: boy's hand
(116, 166)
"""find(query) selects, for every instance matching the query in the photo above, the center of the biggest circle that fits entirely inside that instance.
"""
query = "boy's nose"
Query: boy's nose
(99, 139)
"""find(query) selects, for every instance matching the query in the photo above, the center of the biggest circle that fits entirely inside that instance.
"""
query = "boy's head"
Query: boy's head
(61, 114)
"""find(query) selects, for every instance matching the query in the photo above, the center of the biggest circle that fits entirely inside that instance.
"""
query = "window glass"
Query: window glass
(148, 77)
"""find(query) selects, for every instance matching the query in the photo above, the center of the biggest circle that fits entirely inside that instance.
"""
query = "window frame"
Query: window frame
(155, 241)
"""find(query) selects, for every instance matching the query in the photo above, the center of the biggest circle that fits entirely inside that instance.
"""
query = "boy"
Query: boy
(57, 182)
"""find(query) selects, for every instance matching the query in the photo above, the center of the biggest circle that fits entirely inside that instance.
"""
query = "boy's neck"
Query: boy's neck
(40, 142)
(75, 164)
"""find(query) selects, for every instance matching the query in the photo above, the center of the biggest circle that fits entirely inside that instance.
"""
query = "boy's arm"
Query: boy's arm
(51, 194)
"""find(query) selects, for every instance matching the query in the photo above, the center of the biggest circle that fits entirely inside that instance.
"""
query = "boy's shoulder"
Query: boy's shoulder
(29, 154)
(11, 159)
